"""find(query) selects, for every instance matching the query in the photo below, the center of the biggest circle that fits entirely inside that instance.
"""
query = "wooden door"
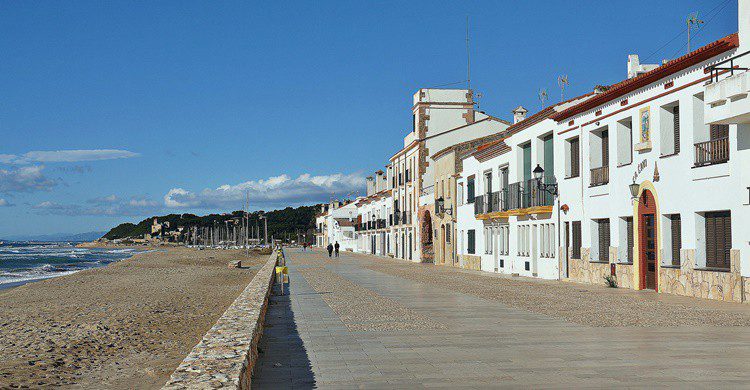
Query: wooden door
(648, 242)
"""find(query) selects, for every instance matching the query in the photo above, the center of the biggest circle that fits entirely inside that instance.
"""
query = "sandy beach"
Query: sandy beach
(126, 325)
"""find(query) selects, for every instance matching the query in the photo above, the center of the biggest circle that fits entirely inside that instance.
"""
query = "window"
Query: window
(625, 141)
(625, 250)
(488, 240)
(471, 237)
(460, 194)
(470, 189)
(576, 252)
(600, 240)
(673, 238)
(603, 239)
(599, 157)
(448, 234)
(718, 239)
(572, 166)
(670, 129)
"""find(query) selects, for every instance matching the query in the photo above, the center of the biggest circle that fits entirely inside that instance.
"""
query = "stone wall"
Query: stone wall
(470, 262)
(226, 355)
(688, 281)
(584, 271)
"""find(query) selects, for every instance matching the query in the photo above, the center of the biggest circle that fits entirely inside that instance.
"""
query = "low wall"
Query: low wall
(227, 353)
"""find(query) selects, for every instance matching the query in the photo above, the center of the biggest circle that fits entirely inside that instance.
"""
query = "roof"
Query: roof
(626, 86)
(469, 143)
(344, 222)
(490, 150)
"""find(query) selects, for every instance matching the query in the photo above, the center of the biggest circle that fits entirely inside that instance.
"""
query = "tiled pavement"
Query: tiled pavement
(485, 344)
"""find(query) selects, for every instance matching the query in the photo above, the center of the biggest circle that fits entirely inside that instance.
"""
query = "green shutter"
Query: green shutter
(527, 162)
(549, 157)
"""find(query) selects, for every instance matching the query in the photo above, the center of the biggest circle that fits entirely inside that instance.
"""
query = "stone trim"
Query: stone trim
(226, 355)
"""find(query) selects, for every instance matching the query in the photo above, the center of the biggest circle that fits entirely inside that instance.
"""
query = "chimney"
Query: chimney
(635, 68)
(370, 185)
(519, 114)
(743, 24)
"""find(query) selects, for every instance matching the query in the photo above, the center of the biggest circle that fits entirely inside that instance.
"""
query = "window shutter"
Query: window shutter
(605, 148)
(574, 158)
(471, 237)
(629, 226)
(676, 119)
(718, 239)
(676, 227)
(577, 238)
(719, 131)
(603, 240)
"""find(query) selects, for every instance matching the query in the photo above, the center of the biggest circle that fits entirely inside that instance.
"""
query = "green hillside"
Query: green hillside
(281, 223)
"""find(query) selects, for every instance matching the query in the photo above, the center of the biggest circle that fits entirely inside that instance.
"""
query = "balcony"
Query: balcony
(518, 196)
(380, 224)
(715, 151)
(397, 217)
(599, 176)
(726, 96)
(405, 217)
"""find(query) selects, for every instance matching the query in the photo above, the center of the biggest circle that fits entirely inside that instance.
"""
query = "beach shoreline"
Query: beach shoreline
(124, 325)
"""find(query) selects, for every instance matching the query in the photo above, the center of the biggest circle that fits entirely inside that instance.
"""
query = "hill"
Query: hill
(281, 223)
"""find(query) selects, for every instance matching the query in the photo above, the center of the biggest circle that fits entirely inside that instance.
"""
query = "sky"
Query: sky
(115, 111)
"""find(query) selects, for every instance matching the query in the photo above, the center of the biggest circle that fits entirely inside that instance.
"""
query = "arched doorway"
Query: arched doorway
(647, 241)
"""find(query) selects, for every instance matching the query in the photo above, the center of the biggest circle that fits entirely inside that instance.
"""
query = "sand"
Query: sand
(127, 325)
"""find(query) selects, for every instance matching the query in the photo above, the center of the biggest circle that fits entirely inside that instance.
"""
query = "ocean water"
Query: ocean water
(25, 261)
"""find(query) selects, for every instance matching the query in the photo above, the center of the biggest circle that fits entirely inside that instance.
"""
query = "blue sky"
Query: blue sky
(114, 111)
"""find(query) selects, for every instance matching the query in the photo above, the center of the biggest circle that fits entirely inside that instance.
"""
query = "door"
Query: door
(648, 244)
(649, 241)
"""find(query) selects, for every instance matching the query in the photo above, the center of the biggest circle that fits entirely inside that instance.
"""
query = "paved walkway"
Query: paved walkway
(316, 337)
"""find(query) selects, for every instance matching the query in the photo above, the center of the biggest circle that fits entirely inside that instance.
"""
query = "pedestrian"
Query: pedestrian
(337, 249)
(330, 250)
(304, 246)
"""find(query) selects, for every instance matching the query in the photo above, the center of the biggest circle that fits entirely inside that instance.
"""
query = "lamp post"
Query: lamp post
(551, 189)
(265, 227)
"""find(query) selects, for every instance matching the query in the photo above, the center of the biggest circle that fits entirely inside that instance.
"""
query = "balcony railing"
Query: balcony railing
(405, 217)
(725, 66)
(715, 151)
(599, 176)
(520, 195)
(380, 224)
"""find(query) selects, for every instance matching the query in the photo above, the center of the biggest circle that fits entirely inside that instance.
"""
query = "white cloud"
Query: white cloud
(5, 203)
(54, 156)
(275, 191)
(106, 205)
(25, 179)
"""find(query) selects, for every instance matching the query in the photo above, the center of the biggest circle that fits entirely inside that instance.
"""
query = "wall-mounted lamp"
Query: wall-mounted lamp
(634, 190)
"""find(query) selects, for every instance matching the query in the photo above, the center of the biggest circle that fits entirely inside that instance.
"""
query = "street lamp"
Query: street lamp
(634, 189)
(540, 185)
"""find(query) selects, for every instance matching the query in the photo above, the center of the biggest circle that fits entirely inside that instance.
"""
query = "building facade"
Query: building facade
(641, 184)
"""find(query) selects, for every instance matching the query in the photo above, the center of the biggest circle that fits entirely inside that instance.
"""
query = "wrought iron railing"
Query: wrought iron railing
(716, 69)
(715, 151)
(516, 196)
(599, 176)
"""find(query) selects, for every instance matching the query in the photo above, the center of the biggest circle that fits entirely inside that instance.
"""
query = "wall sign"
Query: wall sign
(639, 168)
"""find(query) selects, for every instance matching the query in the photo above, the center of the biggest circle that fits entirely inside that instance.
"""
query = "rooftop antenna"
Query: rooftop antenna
(692, 22)
(562, 82)
(543, 96)
(468, 57)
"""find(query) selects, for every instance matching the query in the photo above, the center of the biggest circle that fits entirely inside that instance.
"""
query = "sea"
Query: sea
(22, 262)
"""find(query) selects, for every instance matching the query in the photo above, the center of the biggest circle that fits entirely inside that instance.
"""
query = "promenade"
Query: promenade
(364, 321)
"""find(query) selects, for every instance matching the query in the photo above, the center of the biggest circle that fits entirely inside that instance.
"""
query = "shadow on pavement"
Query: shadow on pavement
(282, 358)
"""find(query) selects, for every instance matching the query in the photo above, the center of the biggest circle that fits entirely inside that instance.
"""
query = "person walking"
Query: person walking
(337, 248)
(304, 246)
(330, 250)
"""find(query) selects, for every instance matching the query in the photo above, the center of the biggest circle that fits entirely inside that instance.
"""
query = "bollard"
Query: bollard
(282, 279)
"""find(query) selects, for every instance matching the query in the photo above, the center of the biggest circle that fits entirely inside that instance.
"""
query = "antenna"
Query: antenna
(479, 96)
(468, 57)
(562, 82)
(543, 96)
(692, 22)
